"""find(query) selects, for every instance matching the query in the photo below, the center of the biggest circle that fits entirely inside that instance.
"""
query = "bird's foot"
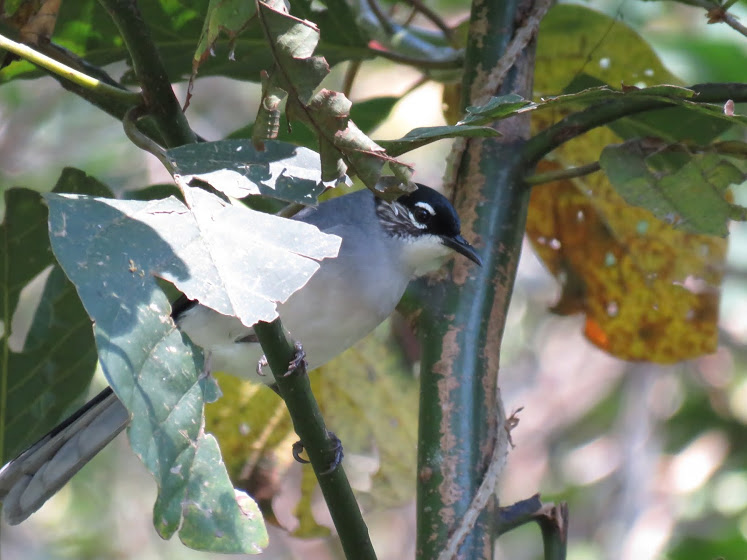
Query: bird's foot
(336, 448)
(298, 360)
(261, 365)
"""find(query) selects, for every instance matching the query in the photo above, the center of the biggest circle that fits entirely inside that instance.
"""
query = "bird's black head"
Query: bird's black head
(426, 219)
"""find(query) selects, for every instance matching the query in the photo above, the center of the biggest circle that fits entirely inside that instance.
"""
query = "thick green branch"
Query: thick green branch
(160, 100)
(459, 411)
(309, 425)
(604, 113)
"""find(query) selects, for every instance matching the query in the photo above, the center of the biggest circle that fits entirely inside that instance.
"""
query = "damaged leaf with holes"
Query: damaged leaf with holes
(297, 73)
(649, 291)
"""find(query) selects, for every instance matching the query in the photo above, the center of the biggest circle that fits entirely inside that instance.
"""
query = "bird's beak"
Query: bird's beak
(461, 246)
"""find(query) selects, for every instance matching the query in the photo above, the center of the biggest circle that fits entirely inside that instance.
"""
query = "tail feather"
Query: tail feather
(28, 481)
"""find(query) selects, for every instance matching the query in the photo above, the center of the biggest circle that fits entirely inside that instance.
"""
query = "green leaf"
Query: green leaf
(579, 48)
(495, 109)
(87, 30)
(223, 16)
(197, 249)
(49, 368)
(237, 169)
(111, 250)
(210, 521)
(691, 199)
(337, 22)
(575, 40)
(419, 137)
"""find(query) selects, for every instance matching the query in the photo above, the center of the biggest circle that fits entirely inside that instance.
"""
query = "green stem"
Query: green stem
(553, 523)
(309, 425)
(459, 411)
(160, 101)
(602, 114)
(141, 140)
(571, 173)
(422, 63)
(552, 520)
(69, 74)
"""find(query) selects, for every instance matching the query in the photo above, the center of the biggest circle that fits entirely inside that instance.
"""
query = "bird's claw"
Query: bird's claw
(260, 365)
(336, 447)
(298, 360)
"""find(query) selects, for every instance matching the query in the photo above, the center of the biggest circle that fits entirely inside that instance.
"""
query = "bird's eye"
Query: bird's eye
(421, 215)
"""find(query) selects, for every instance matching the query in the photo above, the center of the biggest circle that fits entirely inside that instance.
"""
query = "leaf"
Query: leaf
(691, 199)
(111, 250)
(368, 399)
(86, 29)
(697, 116)
(649, 292)
(495, 109)
(198, 249)
(342, 145)
(223, 16)
(34, 19)
(580, 49)
(206, 528)
(237, 169)
(575, 40)
(56, 358)
(419, 137)
(368, 115)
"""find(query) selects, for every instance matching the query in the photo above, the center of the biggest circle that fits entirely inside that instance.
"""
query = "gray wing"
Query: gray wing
(28, 481)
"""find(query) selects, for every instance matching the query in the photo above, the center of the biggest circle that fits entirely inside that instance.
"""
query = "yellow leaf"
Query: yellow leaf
(649, 292)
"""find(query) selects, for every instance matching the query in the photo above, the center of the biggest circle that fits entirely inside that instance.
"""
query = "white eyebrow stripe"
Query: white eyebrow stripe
(427, 207)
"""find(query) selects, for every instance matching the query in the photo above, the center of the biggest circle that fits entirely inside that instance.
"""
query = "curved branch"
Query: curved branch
(160, 100)
(602, 114)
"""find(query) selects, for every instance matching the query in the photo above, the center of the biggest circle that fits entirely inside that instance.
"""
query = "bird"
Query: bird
(385, 244)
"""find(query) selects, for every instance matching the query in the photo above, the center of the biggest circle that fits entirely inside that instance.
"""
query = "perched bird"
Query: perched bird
(384, 246)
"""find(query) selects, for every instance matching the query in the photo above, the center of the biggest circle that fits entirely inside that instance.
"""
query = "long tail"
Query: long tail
(39, 472)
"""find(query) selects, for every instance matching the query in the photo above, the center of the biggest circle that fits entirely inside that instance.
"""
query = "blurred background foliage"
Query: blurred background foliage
(650, 458)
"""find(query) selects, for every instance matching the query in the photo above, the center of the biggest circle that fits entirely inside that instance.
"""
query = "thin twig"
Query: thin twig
(64, 71)
(717, 13)
(308, 423)
(553, 522)
(571, 173)
(142, 141)
(600, 114)
(381, 16)
(424, 63)
(350, 74)
(551, 518)
(435, 19)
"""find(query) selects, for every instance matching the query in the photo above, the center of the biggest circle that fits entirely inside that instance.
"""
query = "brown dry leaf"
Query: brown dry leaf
(35, 20)
(649, 292)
